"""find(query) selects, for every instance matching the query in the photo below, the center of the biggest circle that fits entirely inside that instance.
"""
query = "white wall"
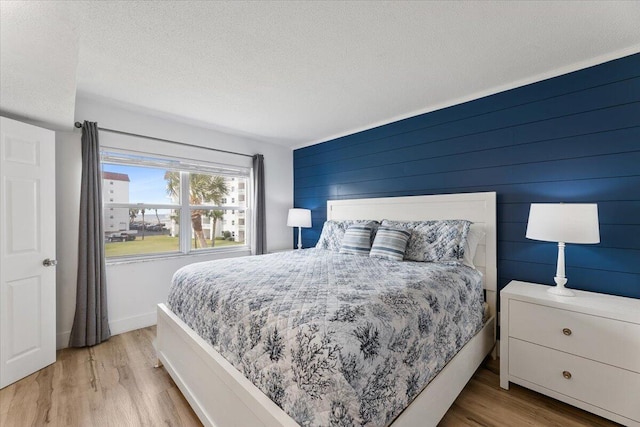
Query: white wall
(134, 288)
(68, 173)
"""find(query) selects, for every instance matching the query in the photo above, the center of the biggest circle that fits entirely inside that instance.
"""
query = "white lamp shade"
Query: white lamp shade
(564, 222)
(299, 218)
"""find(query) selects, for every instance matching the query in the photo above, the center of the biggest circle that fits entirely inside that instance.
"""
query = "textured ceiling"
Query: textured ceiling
(294, 73)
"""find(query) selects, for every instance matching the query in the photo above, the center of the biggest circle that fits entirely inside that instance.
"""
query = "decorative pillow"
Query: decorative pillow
(410, 252)
(357, 240)
(434, 241)
(333, 233)
(390, 243)
(473, 239)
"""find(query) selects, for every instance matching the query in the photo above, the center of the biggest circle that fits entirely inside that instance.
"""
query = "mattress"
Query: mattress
(332, 339)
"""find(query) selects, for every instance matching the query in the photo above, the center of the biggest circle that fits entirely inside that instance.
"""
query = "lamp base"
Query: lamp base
(559, 289)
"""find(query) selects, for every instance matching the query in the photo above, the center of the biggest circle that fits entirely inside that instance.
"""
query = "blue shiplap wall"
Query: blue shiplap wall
(573, 138)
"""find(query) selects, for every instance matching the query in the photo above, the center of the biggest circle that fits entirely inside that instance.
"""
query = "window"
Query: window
(157, 198)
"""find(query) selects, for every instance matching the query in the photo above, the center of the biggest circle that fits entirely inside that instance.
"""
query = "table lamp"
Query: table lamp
(299, 218)
(563, 223)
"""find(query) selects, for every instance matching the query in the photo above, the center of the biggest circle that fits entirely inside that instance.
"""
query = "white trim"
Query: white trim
(185, 214)
(131, 157)
(117, 327)
(132, 323)
(184, 207)
(157, 149)
(62, 340)
(141, 206)
(240, 250)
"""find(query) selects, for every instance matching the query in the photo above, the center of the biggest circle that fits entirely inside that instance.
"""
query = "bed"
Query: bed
(222, 396)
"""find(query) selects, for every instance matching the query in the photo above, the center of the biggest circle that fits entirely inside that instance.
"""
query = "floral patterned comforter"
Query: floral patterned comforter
(334, 340)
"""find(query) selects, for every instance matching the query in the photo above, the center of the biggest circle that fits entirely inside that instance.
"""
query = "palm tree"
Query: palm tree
(143, 223)
(217, 216)
(133, 213)
(202, 189)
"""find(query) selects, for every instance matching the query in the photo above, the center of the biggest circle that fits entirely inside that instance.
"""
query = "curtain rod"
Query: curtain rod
(153, 138)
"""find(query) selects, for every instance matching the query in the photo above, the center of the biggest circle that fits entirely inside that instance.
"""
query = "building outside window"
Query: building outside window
(154, 199)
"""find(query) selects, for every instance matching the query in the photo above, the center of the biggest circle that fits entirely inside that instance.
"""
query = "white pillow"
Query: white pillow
(441, 240)
(333, 232)
(473, 239)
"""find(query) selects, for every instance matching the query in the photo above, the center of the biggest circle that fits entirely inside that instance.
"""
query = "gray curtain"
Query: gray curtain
(90, 325)
(260, 221)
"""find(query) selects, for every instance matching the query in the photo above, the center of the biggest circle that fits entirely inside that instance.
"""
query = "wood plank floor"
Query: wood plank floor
(115, 384)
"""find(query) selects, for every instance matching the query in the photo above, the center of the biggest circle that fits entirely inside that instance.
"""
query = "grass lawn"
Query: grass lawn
(154, 244)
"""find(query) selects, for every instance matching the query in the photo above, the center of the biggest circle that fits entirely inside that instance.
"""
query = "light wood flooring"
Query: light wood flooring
(115, 384)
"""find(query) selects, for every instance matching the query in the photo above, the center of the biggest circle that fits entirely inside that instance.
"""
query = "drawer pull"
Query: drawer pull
(566, 331)
(566, 374)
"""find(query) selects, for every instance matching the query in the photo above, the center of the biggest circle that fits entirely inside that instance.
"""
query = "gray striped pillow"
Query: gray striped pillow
(390, 243)
(356, 240)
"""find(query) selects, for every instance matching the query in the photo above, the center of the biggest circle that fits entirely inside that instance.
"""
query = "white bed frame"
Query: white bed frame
(221, 396)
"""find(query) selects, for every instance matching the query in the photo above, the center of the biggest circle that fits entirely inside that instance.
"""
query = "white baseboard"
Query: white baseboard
(117, 327)
(62, 340)
(132, 323)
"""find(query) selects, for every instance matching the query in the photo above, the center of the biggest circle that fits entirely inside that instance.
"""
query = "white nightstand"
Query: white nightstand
(582, 350)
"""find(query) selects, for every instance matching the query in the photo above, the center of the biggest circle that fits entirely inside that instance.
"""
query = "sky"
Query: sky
(146, 185)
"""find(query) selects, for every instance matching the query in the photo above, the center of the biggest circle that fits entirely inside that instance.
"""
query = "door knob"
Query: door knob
(49, 262)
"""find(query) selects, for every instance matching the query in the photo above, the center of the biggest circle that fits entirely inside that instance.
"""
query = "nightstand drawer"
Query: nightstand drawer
(594, 383)
(593, 337)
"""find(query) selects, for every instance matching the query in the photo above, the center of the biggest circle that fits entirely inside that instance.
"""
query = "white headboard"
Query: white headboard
(479, 208)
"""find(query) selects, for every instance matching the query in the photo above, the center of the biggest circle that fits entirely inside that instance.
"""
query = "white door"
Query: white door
(27, 239)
